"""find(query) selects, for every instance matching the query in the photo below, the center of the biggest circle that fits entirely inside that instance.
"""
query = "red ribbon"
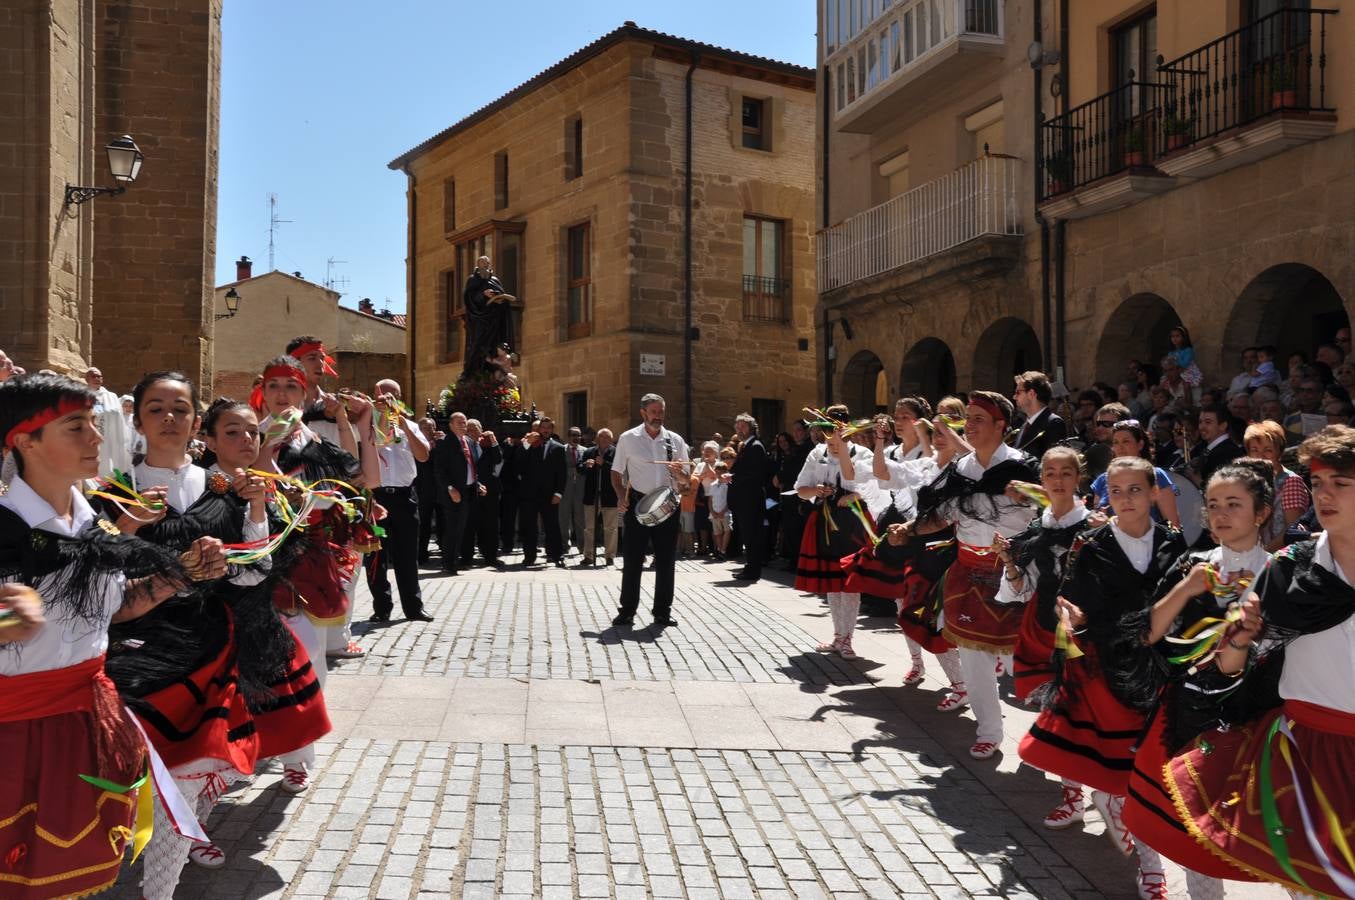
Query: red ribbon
(313, 347)
(284, 372)
(987, 406)
(1316, 465)
(65, 407)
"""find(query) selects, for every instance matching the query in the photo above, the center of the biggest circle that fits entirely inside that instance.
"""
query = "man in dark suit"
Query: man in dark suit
(1042, 429)
(508, 496)
(541, 486)
(458, 488)
(426, 485)
(484, 528)
(748, 495)
(1216, 445)
(599, 500)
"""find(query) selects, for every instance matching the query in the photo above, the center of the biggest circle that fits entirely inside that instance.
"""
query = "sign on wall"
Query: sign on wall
(654, 364)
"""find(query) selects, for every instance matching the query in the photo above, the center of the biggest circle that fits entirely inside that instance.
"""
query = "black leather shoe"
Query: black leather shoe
(419, 617)
(623, 621)
(559, 564)
(665, 621)
(745, 575)
(379, 618)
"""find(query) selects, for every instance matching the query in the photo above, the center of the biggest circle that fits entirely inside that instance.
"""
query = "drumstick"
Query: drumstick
(666, 462)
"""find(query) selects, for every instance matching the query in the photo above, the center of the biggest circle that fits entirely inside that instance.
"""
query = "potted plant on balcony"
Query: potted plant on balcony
(1283, 87)
(1058, 169)
(1133, 147)
(1178, 129)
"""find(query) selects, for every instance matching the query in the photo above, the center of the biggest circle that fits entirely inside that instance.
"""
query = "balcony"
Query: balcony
(766, 299)
(917, 42)
(976, 200)
(1250, 94)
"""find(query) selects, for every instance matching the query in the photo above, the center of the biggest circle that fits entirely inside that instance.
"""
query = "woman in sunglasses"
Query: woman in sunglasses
(1129, 438)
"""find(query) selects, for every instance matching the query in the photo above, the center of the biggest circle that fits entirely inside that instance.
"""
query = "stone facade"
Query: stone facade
(76, 74)
(629, 90)
(276, 307)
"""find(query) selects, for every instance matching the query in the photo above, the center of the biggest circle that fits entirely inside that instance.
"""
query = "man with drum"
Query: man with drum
(647, 475)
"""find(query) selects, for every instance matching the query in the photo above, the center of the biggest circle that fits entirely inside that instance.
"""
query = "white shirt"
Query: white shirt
(1320, 668)
(1138, 549)
(822, 467)
(113, 452)
(718, 494)
(398, 466)
(908, 473)
(637, 451)
(63, 640)
(1239, 384)
(185, 483)
(1007, 592)
(1012, 517)
(1216, 441)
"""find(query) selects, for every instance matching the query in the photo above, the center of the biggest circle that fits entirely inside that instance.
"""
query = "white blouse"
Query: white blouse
(185, 483)
(63, 640)
(822, 467)
(1007, 592)
(1320, 668)
(1012, 517)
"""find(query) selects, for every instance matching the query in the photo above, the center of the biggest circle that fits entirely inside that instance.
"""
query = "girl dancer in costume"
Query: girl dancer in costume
(63, 835)
(971, 494)
(833, 530)
(1033, 566)
(315, 594)
(1089, 730)
(1275, 797)
(1197, 592)
(200, 670)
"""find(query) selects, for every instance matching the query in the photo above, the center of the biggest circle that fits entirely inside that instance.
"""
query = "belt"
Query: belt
(397, 487)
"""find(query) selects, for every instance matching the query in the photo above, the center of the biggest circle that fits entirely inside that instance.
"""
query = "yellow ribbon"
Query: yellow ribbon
(145, 818)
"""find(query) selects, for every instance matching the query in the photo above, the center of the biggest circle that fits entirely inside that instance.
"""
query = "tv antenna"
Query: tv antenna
(331, 282)
(273, 223)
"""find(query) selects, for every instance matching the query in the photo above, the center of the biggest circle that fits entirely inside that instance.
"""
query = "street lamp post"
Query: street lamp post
(232, 299)
(124, 163)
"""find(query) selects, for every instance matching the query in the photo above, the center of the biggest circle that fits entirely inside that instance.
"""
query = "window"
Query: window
(578, 283)
(574, 148)
(766, 291)
(895, 173)
(576, 410)
(755, 123)
(501, 179)
(986, 130)
(451, 304)
(1134, 54)
(771, 418)
(502, 242)
(449, 205)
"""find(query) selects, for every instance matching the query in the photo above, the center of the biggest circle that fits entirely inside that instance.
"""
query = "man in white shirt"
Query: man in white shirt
(113, 452)
(635, 473)
(1241, 382)
(400, 452)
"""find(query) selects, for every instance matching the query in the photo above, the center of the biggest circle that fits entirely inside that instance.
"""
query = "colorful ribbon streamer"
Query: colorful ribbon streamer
(119, 490)
(1032, 492)
(1204, 639)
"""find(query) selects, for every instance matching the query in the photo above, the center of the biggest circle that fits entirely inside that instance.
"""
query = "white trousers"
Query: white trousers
(338, 637)
(844, 609)
(313, 637)
(980, 677)
(202, 783)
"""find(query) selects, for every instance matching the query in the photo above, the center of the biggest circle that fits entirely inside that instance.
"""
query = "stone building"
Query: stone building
(575, 184)
(1109, 205)
(274, 307)
(120, 282)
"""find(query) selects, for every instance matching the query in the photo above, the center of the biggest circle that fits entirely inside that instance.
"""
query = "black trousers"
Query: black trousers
(455, 519)
(399, 551)
(508, 521)
(430, 520)
(487, 525)
(748, 519)
(636, 541)
(529, 508)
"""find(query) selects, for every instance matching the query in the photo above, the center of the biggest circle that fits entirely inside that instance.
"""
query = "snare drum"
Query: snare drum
(657, 506)
(1190, 506)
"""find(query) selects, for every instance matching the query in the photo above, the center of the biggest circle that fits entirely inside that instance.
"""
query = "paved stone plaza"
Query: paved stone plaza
(519, 746)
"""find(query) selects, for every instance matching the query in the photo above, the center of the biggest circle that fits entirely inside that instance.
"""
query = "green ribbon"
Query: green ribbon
(118, 788)
(1270, 810)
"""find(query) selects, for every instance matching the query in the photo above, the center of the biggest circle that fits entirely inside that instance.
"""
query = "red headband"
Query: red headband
(65, 407)
(987, 406)
(281, 371)
(1317, 465)
(313, 347)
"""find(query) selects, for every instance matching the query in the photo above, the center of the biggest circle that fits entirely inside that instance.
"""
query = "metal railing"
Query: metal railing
(978, 199)
(902, 38)
(766, 299)
(1104, 136)
(1278, 62)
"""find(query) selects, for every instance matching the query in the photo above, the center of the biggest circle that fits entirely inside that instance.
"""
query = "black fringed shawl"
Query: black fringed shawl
(1047, 549)
(976, 499)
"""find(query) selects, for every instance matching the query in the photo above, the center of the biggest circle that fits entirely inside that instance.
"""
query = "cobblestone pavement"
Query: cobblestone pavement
(516, 748)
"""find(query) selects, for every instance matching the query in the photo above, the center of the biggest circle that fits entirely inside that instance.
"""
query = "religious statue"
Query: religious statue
(489, 317)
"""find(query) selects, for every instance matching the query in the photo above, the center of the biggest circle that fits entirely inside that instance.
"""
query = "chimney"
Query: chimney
(297, 275)
(244, 268)
(365, 305)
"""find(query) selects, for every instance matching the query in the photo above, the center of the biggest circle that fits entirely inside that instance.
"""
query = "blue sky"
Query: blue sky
(317, 97)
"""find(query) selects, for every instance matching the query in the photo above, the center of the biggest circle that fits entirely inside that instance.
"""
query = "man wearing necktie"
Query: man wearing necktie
(571, 503)
(1042, 429)
(541, 487)
(459, 489)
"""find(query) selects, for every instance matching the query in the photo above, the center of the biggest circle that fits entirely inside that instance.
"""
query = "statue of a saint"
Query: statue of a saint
(489, 316)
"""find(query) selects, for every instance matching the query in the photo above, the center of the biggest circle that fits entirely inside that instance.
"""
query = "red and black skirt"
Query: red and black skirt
(972, 616)
(1274, 799)
(1087, 735)
(879, 570)
(831, 533)
(61, 836)
(930, 555)
(1032, 660)
(294, 714)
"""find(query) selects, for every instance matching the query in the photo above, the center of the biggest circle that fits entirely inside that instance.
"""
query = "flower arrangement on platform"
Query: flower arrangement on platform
(479, 390)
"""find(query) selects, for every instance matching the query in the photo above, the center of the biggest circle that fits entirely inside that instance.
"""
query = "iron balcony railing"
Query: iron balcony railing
(766, 299)
(902, 39)
(1276, 64)
(978, 199)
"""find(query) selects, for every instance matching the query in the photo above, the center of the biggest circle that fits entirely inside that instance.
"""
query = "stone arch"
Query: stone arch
(1291, 305)
(928, 370)
(1137, 329)
(861, 384)
(1007, 347)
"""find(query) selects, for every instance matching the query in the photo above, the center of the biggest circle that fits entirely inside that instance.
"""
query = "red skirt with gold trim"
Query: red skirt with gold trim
(1088, 735)
(972, 617)
(1223, 784)
(61, 836)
